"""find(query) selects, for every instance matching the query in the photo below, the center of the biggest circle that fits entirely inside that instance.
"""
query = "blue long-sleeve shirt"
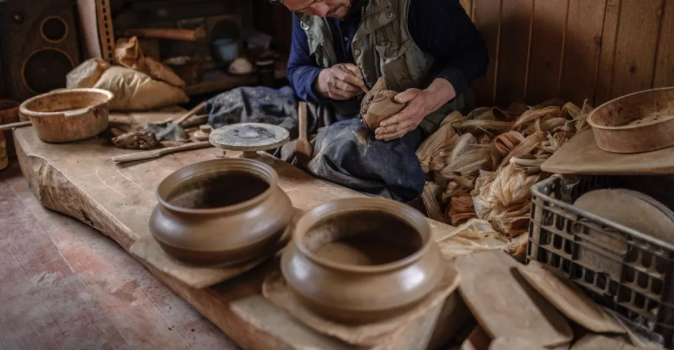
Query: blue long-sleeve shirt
(440, 28)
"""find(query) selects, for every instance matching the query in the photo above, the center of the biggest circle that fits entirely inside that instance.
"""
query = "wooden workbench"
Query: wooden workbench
(80, 180)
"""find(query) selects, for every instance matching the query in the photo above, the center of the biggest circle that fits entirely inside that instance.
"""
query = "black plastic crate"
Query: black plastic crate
(620, 268)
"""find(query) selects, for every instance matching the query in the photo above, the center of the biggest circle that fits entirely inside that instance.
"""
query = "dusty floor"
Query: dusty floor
(65, 286)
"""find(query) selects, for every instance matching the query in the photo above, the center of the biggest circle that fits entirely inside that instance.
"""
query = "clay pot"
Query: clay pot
(68, 115)
(221, 212)
(361, 260)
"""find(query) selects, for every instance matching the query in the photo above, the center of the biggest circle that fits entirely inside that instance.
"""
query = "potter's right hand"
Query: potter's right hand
(340, 82)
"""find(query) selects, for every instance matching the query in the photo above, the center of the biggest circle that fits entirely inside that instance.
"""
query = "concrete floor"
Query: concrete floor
(63, 285)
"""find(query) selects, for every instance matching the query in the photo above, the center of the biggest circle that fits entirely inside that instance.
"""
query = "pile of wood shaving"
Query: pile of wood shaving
(483, 165)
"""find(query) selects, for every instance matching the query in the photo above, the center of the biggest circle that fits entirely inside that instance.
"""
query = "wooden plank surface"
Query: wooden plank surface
(118, 201)
(636, 46)
(487, 18)
(609, 40)
(582, 156)
(65, 286)
(505, 304)
(514, 51)
(582, 50)
(664, 66)
(547, 44)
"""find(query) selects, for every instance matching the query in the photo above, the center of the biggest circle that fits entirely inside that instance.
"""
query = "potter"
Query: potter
(427, 51)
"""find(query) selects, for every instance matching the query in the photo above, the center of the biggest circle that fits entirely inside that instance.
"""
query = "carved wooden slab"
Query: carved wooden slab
(80, 180)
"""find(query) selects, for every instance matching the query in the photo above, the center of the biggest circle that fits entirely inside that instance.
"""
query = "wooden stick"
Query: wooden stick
(303, 149)
(14, 125)
(364, 88)
(134, 157)
(166, 33)
(187, 115)
(192, 112)
(196, 121)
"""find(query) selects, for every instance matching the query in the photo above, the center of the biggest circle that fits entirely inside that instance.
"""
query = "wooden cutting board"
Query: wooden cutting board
(504, 303)
(582, 156)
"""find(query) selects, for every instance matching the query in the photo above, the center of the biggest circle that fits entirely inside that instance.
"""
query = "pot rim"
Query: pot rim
(23, 109)
(248, 166)
(349, 205)
(594, 125)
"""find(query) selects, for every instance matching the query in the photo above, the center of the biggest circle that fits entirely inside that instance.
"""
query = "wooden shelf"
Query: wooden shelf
(219, 81)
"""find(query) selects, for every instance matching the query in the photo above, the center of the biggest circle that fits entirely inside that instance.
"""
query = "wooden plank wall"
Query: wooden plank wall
(574, 49)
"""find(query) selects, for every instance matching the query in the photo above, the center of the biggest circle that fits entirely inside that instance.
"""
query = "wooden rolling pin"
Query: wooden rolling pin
(134, 157)
(166, 33)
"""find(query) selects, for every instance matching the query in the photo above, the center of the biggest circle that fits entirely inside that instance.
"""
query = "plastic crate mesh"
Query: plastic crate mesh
(631, 275)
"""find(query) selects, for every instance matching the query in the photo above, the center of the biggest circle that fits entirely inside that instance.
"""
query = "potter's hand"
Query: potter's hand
(420, 103)
(340, 82)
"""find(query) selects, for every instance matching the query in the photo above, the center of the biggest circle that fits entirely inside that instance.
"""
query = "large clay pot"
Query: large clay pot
(362, 259)
(221, 212)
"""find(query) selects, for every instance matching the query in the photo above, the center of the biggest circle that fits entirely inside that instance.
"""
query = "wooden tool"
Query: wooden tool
(196, 121)
(569, 299)
(134, 157)
(506, 305)
(303, 149)
(582, 156)
(166, 33)
(187, 115)
(11, 126)
(364, 88)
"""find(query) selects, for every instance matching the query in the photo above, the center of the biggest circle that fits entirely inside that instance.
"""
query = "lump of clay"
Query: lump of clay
(379, 104)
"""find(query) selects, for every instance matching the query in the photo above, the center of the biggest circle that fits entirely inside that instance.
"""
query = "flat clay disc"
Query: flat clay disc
(638, 212)
(249, 137)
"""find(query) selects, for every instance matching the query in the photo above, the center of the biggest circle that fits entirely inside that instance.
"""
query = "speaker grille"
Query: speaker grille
(54, 29)
(45, 70)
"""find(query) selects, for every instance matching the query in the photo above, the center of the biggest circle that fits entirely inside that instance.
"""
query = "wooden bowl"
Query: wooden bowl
(640, 122)
(221, 212)
(362, 260)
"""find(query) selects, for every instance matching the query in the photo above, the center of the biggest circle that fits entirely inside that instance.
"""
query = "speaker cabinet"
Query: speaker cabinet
(39, 45)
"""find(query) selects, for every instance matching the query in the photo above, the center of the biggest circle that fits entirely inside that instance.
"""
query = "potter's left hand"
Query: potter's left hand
(420, 103)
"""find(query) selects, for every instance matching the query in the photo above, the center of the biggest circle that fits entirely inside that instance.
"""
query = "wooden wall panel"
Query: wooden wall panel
(547, 43)
(608, 49)
(516, 20)
(664, 66)
(582, 50)
(573, 49)
(487, 17)
(636, 47)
